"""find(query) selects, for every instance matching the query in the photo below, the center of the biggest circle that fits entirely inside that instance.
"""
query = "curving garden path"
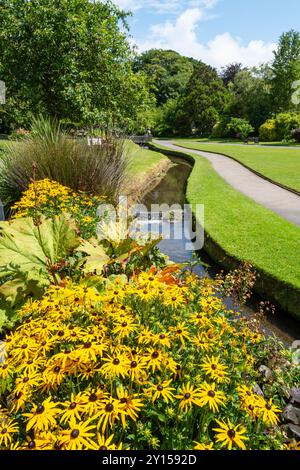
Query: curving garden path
(273, 197)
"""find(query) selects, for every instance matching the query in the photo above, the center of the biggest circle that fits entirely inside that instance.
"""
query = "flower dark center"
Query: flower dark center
(124, 324)
(268, 407)
(174, 299)
(160, 388)
(40, 409)
(24, 346)
(61, 333)
(155, 355)
(123, 400)
(231, 433)
(29, 362)
(211, 394)
(103, 448)
(56, 369)
(88, 345)
(93, 397)
(214, 367)
(74, 433)
(179, 332)
(25, 380)
(73, 406)
(133, 364)
(31, 445)
(116, 362)
(109, 407)
(4, 431)
(162, 336)
(187, 396)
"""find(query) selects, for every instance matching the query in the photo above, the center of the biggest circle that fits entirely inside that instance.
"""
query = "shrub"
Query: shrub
(268, 131)
(286, 123)
(220, 129)
(296, 135)
(238, 127)
(50, 153)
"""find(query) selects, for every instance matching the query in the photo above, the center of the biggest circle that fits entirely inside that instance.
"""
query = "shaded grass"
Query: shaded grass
(280, 165)
(243, 228)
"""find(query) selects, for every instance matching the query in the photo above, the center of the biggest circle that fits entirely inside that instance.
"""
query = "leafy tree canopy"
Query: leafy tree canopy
(69, 59)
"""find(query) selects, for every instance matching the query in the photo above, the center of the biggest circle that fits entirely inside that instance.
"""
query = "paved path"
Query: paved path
(269, 195)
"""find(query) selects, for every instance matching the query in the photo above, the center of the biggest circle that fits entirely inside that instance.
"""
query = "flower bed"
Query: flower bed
(150, 360)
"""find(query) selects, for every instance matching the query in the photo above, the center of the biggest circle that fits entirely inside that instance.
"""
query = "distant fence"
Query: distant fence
(141, 139)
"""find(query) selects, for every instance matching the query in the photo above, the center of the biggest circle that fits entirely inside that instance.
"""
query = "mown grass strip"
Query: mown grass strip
(277, 164)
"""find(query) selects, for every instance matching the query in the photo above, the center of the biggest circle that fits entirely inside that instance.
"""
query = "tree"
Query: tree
(229, 73)
(204, 100)
(69, 59)
(250, 96)
(239, 128)
(286, 70)
(168, 72)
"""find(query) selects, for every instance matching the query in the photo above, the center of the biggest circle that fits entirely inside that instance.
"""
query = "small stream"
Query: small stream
(171, 190)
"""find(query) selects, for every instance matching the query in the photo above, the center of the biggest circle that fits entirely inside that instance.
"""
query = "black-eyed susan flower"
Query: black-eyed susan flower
(154, 358)
(268, 412)
(180, 332)
(115, 366)
(213, 367)
(230, 435)
(208, 395)
(78, 436)
(106, 443)
(110, 410)
(124, 327)
(161, 390)
(72, 409)
(42, 416)
(8, 428)
(188, 396)
(131, 403)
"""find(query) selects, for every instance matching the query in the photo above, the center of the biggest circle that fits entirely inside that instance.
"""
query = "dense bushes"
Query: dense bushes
(49, 153)
(241, 128)
(268, 131)
(280, 128)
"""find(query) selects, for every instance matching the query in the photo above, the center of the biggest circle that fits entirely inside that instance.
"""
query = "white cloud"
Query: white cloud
(181, 35)
(164, 6)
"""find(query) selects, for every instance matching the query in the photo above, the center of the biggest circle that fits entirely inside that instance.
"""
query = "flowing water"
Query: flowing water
(171, 190)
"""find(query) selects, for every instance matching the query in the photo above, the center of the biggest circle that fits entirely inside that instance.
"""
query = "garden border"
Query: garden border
(282, 294)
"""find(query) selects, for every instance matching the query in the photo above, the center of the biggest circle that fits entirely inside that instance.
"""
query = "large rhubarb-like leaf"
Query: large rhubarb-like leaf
(29, 253)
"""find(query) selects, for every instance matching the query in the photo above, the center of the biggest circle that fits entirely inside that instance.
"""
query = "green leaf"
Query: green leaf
(96, 257)
(29, 253)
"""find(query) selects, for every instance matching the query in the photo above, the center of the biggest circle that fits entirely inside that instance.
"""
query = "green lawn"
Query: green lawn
(280, 165)
(243, 228)
(142, 160)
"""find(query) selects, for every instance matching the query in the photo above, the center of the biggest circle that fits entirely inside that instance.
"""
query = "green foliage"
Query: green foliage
(32, 253)
(70, 59)
(296, 134)
(50, 153)
(268, 131)
(285, 70)
(250, 96)
(286, 123)
(168, 73)
(204, 100)
(239, 128)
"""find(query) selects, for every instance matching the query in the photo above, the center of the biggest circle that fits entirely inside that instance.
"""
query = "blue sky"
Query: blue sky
(216, 31)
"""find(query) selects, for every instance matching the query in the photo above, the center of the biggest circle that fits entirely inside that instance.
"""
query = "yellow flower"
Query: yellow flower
(211, 397)
(188, 395)
(199, 446)
(115, 366)
(213, 367)
(42, 417)
(268, 412)
(180, 332)
(104, 443)
(8, 428)
(110, 410)
(78, 436)
(131, 404)
(72, 409)
(161, 390)
(230, 435)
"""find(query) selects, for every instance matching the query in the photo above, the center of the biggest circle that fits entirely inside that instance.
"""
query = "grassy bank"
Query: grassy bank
(278, 164)
(238, 229)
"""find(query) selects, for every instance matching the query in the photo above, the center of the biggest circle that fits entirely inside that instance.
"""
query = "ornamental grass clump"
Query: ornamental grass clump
(49, 153)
